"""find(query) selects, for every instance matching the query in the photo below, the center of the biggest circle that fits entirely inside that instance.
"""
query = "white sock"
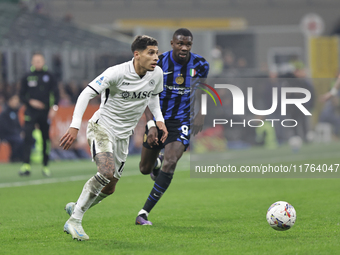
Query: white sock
(99, 198)
(89, 194)
(143, 212)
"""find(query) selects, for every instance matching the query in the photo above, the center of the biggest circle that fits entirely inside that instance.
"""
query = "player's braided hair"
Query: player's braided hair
(141, 42)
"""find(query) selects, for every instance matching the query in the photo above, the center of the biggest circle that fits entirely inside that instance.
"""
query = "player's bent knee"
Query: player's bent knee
(169, 166)
(144, 169)
(108, 174)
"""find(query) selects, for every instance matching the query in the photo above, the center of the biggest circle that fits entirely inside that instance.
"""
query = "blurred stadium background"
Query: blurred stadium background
(240, 38)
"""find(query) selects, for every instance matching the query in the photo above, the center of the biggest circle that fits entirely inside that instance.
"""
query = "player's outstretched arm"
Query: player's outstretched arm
(71, 134)
(68, 138)
(198, 123)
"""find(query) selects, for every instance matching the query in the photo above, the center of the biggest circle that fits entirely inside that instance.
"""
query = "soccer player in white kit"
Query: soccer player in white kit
(126, 90)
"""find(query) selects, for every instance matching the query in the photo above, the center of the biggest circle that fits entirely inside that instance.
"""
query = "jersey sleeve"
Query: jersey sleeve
(109, 77)
(155, 108)
(159, 81)
(204, 69)
(83, 100)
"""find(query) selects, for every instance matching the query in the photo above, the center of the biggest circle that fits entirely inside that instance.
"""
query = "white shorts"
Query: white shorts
(101, 141)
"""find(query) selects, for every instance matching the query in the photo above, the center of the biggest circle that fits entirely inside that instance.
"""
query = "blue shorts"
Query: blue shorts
(178, 131)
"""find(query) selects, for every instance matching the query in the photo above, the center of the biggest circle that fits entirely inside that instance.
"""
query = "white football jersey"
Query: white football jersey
(124, 97)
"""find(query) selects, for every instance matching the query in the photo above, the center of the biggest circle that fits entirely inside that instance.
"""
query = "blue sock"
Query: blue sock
(161, 184)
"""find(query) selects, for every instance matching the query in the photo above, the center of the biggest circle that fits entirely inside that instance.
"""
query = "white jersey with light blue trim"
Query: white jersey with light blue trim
(124, 97)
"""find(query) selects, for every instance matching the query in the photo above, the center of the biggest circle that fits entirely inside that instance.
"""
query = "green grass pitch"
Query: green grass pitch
(195, 215)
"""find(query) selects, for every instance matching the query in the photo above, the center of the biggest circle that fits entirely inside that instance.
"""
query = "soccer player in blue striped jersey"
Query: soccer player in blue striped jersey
(179, 67)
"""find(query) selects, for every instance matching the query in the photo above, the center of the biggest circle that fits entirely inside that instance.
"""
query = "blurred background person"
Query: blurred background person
(296, 77)
(10, 128)
(39, 92)
(333, 92)
(330, 112)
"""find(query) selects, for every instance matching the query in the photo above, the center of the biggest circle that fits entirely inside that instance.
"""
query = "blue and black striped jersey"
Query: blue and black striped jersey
(175, 98)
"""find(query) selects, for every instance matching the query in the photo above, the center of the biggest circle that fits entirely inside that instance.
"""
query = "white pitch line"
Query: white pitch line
(61, 179)
(53, 180)
(45, 181)
(69, 179)
(185, 165)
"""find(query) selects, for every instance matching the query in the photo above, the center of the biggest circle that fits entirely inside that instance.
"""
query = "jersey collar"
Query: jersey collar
(131, 67)
(133, 71)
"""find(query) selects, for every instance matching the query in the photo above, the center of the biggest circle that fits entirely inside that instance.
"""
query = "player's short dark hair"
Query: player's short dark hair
(141, 42)
(184, 32)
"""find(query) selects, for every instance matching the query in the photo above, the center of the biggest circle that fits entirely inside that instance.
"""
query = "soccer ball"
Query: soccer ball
(281, 216)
